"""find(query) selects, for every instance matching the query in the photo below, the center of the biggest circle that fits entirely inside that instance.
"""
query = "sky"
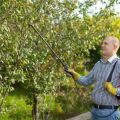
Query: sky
(117, 8)
(99, 5)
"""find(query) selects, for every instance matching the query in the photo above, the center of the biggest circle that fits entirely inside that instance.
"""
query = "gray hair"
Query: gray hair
(115, 40)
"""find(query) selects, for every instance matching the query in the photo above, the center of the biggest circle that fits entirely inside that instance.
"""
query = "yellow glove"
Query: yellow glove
(74, 74)
(110, 88)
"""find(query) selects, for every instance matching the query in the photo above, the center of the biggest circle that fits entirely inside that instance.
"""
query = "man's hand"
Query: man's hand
(74, 74)
(110, 88)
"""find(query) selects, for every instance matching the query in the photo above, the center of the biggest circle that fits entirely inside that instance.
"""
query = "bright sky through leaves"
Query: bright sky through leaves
(97, 6)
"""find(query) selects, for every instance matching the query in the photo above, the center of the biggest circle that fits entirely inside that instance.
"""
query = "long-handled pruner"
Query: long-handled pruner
(61, 61)
(53, 52)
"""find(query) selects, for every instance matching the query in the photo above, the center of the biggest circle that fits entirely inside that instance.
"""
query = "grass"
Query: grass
(16, 108)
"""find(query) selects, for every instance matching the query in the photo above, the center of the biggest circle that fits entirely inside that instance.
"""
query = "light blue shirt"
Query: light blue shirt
(98, 76)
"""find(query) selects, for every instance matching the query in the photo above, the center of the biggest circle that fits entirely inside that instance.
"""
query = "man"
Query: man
(105, 104)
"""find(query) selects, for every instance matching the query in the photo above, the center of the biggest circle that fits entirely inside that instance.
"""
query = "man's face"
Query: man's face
(107, 47)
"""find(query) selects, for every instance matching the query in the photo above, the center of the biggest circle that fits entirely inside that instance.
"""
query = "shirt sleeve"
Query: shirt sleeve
(87, 80)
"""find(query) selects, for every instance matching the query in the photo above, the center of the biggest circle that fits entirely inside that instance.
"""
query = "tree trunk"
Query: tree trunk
(35, 112)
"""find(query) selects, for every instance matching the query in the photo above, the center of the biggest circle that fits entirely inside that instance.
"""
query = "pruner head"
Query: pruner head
(66, 70)
(65, 67)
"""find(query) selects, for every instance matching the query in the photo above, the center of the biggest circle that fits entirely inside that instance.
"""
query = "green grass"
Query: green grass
(15, 107)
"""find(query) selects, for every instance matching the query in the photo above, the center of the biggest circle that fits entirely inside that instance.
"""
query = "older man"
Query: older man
(105, 103)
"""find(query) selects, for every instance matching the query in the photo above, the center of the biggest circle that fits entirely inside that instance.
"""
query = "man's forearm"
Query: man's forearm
(85, 80)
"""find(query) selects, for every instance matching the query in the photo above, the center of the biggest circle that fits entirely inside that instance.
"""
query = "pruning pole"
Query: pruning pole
(54, 53)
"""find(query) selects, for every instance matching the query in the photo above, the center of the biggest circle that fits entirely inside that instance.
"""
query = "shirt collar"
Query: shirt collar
(110, 59)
